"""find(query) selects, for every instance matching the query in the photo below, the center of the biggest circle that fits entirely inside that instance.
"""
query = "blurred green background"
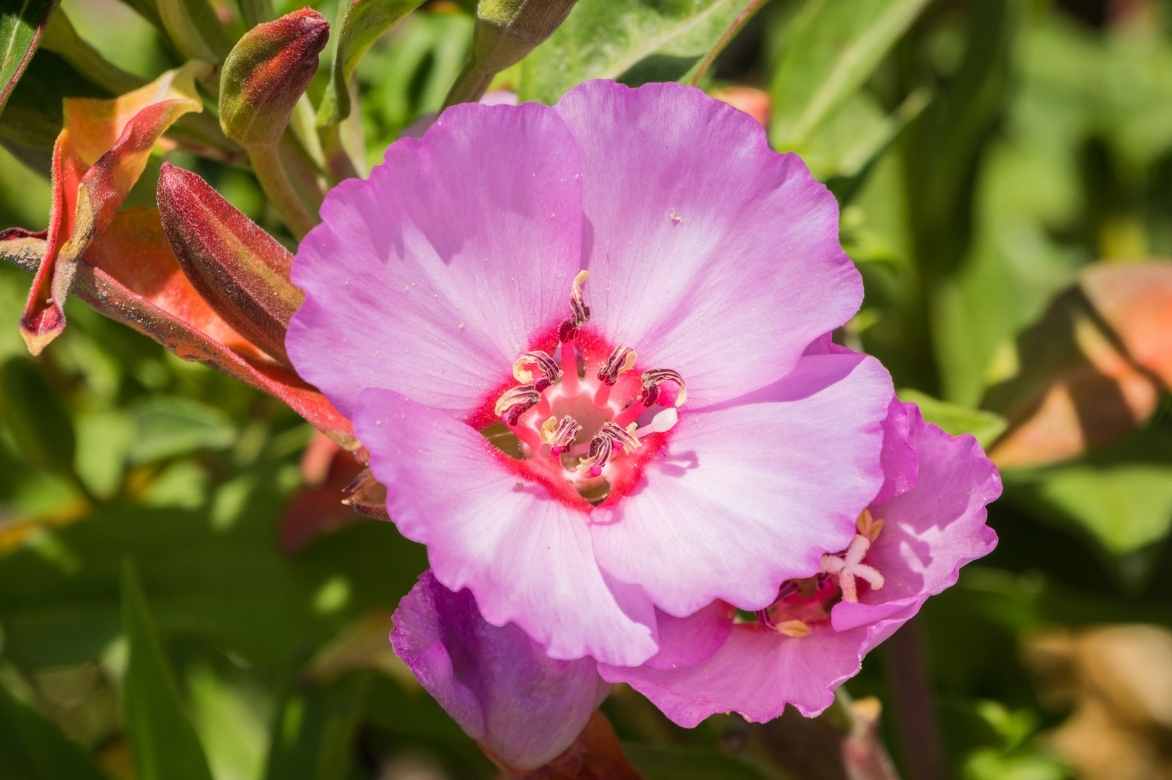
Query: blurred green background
(1005, 174)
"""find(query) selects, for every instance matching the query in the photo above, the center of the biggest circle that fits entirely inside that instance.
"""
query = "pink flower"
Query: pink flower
(449, 293)
(928, 521)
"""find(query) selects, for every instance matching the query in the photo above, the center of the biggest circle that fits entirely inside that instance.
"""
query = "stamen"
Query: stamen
(654, 378)
(624, 436)
(579, 311)
(560, 434)
(869, 526)
(515, 401)
(523, 369)
(622, 359)
(793, 628)
(850, 565)
(601, 448)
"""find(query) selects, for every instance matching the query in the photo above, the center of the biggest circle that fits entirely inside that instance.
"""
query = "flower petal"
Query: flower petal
(498, 684)
(432, 276)
(709, 253)
(755, 673)
(693, 639)
(930, 531)
(745, 497)
(525, 555)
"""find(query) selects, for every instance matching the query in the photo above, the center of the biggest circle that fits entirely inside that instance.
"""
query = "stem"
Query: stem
(915, 706)
(726, 37)
(256, 11)
(470, 85)
(274, 179)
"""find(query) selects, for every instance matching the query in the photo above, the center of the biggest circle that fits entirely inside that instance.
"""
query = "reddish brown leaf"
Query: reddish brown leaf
(131, 276)
(595, 755)
(91, 180)
(1092, 369)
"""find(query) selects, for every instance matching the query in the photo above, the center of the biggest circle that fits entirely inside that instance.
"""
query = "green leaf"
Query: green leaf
(32, 748)
(856, 134)
(33, 116)
(688, 763)
(640, 40)
(360, 23)
(828, 51)
(61, 37)
(216, 572)
(168, 427)
(957, 419)
(165, 744)
(194, 28)
(35, 416)
(21, 26)
(314, 732)
(1120, 496)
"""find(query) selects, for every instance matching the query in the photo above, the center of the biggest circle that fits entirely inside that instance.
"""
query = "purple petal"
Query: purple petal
(746, 497)
(526, 556)
(431, 277)
(930, 531)
(522, 706)
(709, 253)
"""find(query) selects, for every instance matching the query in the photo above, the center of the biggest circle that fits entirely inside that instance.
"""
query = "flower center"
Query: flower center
(802, 604)
(582, 420)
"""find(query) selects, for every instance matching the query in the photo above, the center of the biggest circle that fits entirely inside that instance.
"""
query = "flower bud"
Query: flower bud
(240, 270)
(506, 30)
(266, 73)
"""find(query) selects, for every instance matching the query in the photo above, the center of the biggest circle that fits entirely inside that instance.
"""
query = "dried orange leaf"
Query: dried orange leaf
(98, 157)
(1093, 368)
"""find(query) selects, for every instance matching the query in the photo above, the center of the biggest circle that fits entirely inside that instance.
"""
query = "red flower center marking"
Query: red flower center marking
(583, 423)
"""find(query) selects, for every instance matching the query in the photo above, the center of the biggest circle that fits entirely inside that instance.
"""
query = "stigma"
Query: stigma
(803, 605)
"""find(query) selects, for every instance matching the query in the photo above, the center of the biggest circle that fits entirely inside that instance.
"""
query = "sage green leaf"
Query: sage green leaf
(21, 26)
(32, 748)
(360, 23)
(828, 50)
(165, 744)
(957, 419)
(640, 40)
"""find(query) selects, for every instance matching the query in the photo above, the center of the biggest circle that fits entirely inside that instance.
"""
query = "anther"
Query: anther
(869, 526)
(515, 401)
(579, 311)
(622, 359)
(624, 436)
(793, 628)
(541, 363)
(601, 448)
(657, 376)
(560, 434)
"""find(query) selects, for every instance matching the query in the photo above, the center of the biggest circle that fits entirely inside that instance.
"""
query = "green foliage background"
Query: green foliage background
(984, 152)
